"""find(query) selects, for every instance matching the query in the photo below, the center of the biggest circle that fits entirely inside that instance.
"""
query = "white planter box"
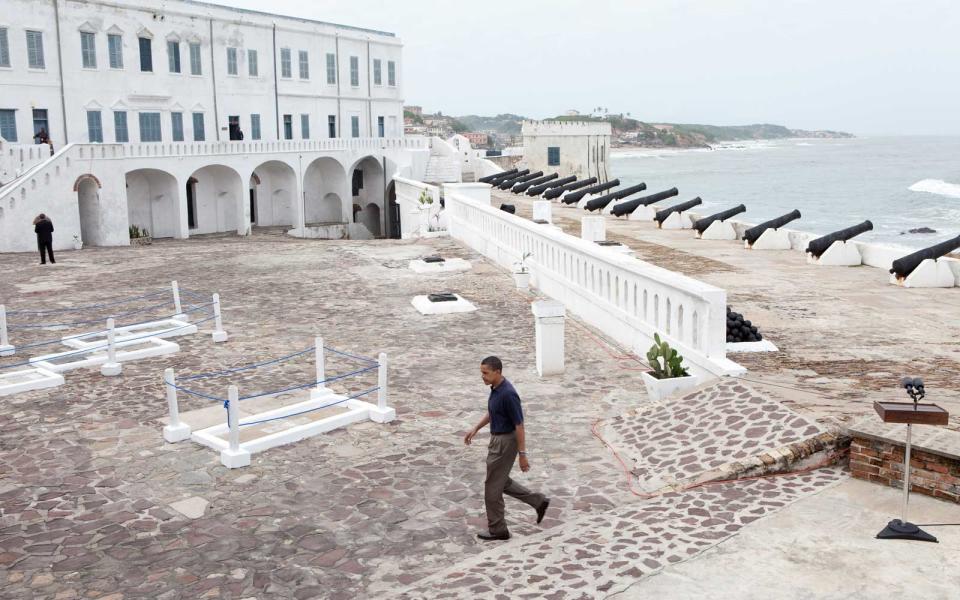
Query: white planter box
(522, 280)
(658, 389)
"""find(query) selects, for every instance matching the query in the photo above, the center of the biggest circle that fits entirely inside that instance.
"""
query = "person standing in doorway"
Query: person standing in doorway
(507, 440)
(43, 227)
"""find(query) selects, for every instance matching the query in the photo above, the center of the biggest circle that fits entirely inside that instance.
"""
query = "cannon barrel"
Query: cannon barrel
(702, 224)
(904, 266)
(506, 185)
(522, 187)
(510, 208)
(576, 185)
(539, 189)
(603, 201)
(662, 215)
(625, 208)
(507, 175)
(513, 177)
(575, 197)
(818, 246)
(754, 233)
(489, 178)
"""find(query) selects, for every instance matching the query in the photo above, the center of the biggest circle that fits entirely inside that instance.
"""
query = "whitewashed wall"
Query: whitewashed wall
(413, 220)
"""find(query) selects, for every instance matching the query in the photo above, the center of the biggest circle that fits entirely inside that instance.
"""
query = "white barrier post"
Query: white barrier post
(234, 456)
(111, 368)
(177, 307)
(321, 389)
(219, 335)
(381, 413)
(5, 348)
(176, 430)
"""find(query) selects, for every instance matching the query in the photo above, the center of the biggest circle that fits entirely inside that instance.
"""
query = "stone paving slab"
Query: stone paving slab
(674, 441)
(602, 554)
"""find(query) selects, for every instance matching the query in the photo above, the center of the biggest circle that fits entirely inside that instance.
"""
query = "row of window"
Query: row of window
(149, 126)
(88, 54)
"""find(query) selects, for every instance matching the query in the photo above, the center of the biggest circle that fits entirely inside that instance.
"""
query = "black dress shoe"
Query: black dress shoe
(487, 537)
(542, 510)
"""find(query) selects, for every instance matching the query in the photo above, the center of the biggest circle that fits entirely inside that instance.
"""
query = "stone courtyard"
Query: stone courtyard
(96, 505)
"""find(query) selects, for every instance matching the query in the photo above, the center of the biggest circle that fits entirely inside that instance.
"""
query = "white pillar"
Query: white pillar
(381, 413)
(111, 368)
(5, 348)
(543, 211)
(177, 307)
(593, 229)
(219, 335)
(175, 430)
(321, 389)
(234, 456)
(549, 316)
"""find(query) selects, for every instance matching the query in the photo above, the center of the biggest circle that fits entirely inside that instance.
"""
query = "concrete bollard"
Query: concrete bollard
(111, 368)
(175, 430)
(5, 348)
(177, 307)
(381, 413)
(542, 211)
(234, 456)
(550, 316)
(219, 335)
(593, 229)
(321, 389)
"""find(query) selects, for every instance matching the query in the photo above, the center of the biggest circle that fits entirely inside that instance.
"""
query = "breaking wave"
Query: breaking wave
(938, 187)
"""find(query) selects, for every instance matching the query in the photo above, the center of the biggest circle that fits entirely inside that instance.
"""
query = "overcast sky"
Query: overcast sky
(864, 66)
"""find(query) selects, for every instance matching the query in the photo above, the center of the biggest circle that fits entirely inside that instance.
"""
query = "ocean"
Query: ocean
(899, 183)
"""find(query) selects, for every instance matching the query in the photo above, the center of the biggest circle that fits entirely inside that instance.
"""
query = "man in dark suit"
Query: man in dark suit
(43, 227)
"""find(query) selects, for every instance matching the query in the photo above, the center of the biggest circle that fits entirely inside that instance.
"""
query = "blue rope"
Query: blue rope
(194, 294)
(99, 320)
(195, 393)
(361, 358)
(297, 414)
(82, 308)
(246, 367)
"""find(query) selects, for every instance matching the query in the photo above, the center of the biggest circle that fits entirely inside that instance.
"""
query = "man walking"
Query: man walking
(43, 227)
(507, 439)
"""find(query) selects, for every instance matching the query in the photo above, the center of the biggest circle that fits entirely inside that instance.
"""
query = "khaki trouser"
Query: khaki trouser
(501, 455)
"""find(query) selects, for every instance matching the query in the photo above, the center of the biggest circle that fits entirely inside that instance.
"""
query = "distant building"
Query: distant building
(568, 147)
(476, 138)
(572, 113)
(417, 110)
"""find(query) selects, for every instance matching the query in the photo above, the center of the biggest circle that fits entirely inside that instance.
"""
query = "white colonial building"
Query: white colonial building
(185, 118)
(580, 148)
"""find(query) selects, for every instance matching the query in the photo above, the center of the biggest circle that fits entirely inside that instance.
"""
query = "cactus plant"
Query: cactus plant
(665, 361)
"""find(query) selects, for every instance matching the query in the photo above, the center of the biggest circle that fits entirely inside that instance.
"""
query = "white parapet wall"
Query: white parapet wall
(416, 219)
(628, 299)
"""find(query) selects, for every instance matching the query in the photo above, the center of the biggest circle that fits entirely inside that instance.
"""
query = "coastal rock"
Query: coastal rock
(919, 230)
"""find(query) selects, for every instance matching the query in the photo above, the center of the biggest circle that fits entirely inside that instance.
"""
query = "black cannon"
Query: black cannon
(539, 189)
(906, 265)
(818, 246)
(489, 178)
(506, 175)
(506, 185)
(753, 234)
(576, 185)
(522, 187)
(509, 208)
(662, 215)
(625, 208)
(574, 197)
(603, 201)
(703, 224)
(511, 178)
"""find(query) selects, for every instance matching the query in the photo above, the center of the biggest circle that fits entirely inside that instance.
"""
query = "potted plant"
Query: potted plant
(521, 275)
(667, 376)
(425, 200)
(139, 236)
(77, 242)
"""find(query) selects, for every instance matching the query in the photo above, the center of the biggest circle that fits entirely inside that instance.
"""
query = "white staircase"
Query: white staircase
(444, 165)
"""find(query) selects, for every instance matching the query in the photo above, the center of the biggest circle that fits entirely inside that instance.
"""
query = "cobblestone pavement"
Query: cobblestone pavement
(87, 484)
(603, 554)
(675, 440)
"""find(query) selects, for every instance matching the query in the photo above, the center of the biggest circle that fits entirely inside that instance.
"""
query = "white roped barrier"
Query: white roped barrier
(627, 299)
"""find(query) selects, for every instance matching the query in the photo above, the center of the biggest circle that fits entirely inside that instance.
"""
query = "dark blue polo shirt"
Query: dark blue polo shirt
(504, 408)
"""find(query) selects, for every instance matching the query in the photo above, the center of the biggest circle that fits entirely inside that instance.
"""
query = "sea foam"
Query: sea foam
(938, 187)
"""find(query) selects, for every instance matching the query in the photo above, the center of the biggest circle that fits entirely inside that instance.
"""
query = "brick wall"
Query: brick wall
(882, 462)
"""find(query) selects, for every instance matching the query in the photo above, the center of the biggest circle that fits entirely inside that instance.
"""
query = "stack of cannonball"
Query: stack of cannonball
(740, 329)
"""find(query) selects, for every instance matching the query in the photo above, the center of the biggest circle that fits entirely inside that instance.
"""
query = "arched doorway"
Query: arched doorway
(367, 185)
(152, 202)
(273, 188)
(324, 187)
(87, 188)
(215, 198)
